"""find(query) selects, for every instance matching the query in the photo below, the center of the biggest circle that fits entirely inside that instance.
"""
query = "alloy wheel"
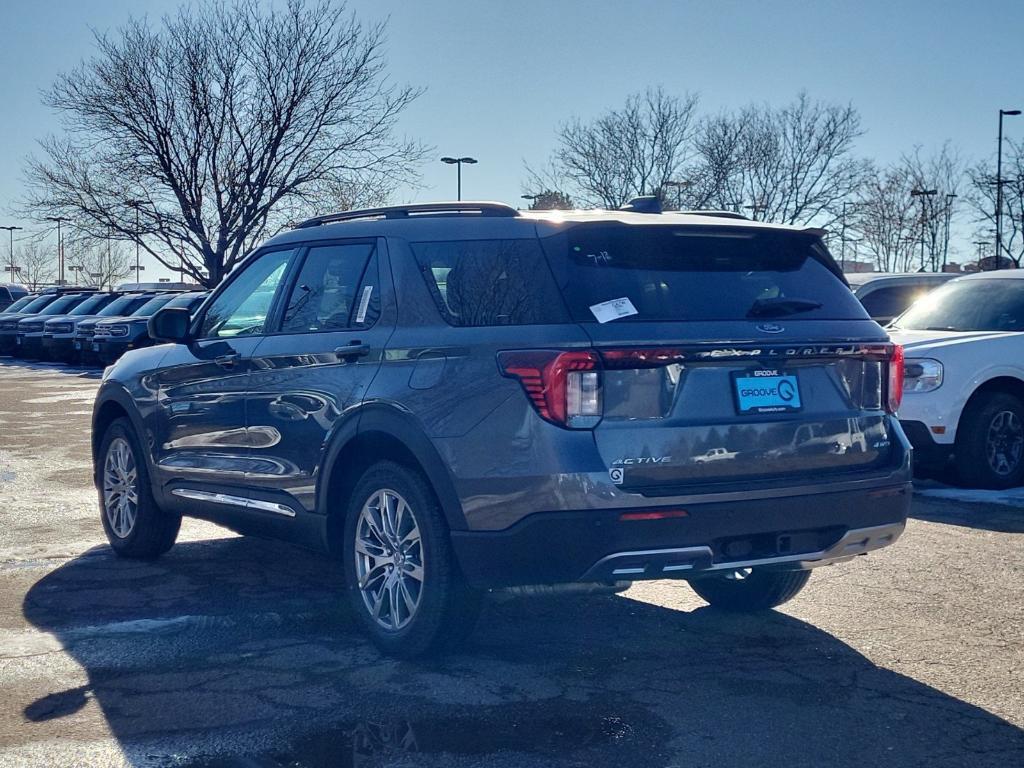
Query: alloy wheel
(1004, 443)
(389, 559)
(120, 488)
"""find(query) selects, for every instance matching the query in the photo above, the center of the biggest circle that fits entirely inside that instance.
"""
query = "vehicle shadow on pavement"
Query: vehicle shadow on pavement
(1001, 518)
(233, 652)
(72, 371)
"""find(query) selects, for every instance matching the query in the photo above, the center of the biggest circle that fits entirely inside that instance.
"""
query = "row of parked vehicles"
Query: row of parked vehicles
(85, 326)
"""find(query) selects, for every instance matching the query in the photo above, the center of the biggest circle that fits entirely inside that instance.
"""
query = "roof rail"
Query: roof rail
(404, 211)
(716, 214)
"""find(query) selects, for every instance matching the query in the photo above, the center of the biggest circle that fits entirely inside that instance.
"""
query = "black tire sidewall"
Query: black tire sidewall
(971, 442)
(762, 590)
(440, 582)
(154, 531)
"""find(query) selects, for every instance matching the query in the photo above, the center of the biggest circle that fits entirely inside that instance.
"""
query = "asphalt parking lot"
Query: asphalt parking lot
(233, 651)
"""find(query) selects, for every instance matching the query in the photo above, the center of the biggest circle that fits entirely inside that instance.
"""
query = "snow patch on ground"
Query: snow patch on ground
(1014, 497)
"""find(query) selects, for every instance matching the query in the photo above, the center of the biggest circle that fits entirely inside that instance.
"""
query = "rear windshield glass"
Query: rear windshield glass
(646, 273)
(969, 305)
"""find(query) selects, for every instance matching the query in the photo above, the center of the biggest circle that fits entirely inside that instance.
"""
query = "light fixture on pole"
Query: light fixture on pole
(924, 194)
(458, 161)
(999, 186)
(12, 269)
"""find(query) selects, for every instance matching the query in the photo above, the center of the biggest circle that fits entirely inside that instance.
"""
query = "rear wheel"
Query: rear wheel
(990, 442)
(750, 589)
(135, 526)
(403, 583)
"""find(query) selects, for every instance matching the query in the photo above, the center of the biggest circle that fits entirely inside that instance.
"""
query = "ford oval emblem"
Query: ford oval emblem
(770, 328)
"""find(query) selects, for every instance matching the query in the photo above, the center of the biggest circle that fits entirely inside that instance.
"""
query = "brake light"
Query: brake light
(564, 387)
(896, 371)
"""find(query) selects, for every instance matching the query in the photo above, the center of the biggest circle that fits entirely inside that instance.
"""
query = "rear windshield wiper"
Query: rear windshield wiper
(780, 306)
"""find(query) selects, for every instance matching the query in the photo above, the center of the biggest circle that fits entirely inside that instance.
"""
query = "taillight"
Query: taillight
(564, 387)
(895, 389)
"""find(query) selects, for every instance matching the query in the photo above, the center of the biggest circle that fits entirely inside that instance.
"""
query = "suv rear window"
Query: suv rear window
(490, 282)
(696, 273)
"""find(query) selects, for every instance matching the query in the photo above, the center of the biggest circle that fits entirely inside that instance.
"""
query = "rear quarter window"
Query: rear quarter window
(490, 282)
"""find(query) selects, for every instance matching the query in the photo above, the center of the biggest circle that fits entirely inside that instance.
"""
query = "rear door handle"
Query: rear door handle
(352, 349)
(227, 361)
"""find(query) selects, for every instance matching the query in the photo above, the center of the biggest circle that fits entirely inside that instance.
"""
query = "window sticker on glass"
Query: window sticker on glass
(364, 303)
(607, 311)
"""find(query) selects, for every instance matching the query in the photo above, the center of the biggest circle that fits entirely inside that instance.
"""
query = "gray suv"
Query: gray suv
(459, 397)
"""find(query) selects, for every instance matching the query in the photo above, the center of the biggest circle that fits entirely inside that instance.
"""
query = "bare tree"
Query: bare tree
(981, 198)
(792, 164)
(551, 200)
(98, 263)
(884, 216)
(624, 153)
(37, 265)
(220, 126)
(943, 172)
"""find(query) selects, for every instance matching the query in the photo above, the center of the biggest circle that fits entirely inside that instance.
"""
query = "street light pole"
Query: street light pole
(842, 237)
(60, 248)
(924, 194)
(949, 215)
(458, 161)
(11, 231)
(136, 204)
(999, 186)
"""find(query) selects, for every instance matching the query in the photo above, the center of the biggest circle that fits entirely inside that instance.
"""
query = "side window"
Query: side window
(241, 309)
(889, 302)
(491, 282)
(336, 290)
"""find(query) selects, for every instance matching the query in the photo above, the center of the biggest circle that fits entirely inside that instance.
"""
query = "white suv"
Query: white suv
(964, 382)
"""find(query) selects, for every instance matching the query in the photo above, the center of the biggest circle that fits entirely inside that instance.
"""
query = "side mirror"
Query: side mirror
(170, 324)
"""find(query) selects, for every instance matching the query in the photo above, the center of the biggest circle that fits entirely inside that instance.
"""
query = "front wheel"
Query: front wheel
(750, 589)
(135, 526)
(402, 579)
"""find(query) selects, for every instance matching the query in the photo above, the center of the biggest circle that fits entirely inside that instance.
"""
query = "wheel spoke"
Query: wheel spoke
(389, 559)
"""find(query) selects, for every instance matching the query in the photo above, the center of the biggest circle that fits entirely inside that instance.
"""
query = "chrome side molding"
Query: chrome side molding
(234, 501)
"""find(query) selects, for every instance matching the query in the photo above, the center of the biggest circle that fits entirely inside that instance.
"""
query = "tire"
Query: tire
(990, 442)
(750, 589)
(429, 614)
(121, 468)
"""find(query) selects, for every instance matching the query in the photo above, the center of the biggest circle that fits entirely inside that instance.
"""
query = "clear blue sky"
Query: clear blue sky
(499, 76)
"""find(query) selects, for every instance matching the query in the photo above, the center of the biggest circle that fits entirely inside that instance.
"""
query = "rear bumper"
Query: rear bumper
(597, 545)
